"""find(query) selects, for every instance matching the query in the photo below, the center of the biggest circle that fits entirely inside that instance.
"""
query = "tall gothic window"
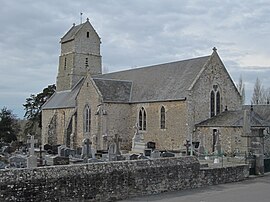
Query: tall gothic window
(212, 104)
(142, 119)
(218, 103)
(215, 102)
(87, 119)
(162, 117)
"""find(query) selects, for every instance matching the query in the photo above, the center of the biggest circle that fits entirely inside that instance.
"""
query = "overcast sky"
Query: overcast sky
(134, 33)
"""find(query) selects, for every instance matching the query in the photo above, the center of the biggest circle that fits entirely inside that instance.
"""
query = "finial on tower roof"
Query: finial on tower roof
(81, 16)
(73, 24)
(87, 19)
(215, 49)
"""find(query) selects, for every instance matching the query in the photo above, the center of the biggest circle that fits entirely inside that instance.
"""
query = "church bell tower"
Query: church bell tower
(80, 53)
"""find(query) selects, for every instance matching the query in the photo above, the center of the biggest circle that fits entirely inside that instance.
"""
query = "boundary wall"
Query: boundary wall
(112, 180)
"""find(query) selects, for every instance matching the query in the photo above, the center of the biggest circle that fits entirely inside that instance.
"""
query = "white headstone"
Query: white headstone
(138, 145)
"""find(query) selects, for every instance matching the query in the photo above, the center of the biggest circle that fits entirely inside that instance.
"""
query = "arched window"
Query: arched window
(212, 104)
(87, 119)
(215, 101)
(218, 103)
(162, 117)
(142, 119)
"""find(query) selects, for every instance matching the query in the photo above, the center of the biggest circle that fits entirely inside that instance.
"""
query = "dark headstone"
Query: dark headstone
(66, 152)
(48, 147)
(151, 145)
(196, 144)
(72, 152)
(133, 157)
(78, 151)
(147, 152)
(55, 149)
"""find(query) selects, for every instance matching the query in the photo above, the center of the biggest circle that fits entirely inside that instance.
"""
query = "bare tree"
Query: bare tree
(241, 89)
(258, 93)
(267, 96)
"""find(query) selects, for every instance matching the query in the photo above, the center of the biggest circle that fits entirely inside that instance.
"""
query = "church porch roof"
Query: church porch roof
(64, 99)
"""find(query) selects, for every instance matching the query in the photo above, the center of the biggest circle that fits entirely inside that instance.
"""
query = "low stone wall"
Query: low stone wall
(111, 181)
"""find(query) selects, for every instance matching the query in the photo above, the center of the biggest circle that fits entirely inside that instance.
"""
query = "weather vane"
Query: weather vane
(81, 17)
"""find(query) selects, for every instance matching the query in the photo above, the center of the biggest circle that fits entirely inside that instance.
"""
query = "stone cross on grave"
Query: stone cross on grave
(32, 159)
(32, 142)
(187, 145)
(117, 141)
(87, 147)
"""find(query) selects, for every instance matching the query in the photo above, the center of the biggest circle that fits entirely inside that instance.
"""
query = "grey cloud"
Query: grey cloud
(133, 33)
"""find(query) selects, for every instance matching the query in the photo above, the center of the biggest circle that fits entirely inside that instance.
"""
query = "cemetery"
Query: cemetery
(53, 173)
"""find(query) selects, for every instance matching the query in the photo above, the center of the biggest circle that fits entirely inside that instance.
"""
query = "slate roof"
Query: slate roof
(169, 81)
(163, 82)
(71, 33)
(262, 110)
(64, 99)
(114, 90)
(234, 119)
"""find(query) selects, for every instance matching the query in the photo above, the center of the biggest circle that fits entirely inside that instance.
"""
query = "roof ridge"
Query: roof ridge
(109, 79)
(155, 65)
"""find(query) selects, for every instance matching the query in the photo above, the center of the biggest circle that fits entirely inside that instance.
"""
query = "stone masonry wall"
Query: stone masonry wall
(199, 100)
(174, 134)
(111, 181)
(230, 138)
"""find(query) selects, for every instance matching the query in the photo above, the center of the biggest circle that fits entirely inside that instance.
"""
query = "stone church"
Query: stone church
(169, 102)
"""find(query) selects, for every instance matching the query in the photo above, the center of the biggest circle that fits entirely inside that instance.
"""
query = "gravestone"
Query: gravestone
(72, 152)
(151, 145)
(55, 149)
(86, 150)
(112, 152)
(61, 150)
(155, 154)
(78, 151)
(47, 147)
(32, 159)
(114, 149)
(147, 152)
(66, 152)
(167, 154)
(217, 145)
(133, 157)
(18, 161)
(201, 148)
(117, 141)
(72, 140)
(56, 160)
(138, 145)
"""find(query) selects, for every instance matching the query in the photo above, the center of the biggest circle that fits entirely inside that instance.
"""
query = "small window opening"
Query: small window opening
(87, 34)
(86, 62)
(65, 64)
